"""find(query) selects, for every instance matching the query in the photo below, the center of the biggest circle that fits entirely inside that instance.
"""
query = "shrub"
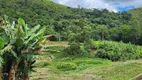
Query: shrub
(116, 51)
(101, 53)
(74, 49)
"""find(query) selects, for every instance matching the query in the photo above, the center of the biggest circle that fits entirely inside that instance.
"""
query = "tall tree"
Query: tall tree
(102, 31)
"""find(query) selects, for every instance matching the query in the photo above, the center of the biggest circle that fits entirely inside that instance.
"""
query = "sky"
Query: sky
(111, 5)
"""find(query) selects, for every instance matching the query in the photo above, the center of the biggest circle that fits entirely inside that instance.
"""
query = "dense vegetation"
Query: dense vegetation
(116, 51)
(93, 37)
(63, 22)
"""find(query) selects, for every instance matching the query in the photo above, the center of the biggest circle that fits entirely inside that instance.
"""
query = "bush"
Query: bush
(74, 49)
(101, 53)
(65, 66)
(116, 51)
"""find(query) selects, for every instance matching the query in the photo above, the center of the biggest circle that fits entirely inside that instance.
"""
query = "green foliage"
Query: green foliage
(66, 23)
(116, 51)
(1, 43)
(86, 62)
(124, 33)
(101, 32)
(54, 48)
(19, 42)
(76, 50)
(53, 51)
(80, 34)
(72, 64)
(90, 61)
(73, 49)
(136, 23)
(20, 46)
(79, 42)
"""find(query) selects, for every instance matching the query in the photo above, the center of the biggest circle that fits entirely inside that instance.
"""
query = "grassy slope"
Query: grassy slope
(115, 71)
(118, 70)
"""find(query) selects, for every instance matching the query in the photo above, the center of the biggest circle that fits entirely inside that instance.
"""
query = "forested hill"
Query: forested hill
(136, 23)
(33, 11)
(136, 17)
(46, 12)
(65, 22)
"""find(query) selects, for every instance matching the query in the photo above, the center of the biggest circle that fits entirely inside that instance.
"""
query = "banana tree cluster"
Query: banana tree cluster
(18, 48)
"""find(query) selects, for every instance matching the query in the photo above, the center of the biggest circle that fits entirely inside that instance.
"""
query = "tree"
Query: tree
(102, 31)
(81, 35)
(18, 46)
(125, 33)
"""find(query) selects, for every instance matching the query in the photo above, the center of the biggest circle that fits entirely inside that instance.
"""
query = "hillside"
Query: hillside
(136, 22)
(69, 44)
(63, 22)
(136, 17)
(136, 13)
(35, 11)
(46, 12)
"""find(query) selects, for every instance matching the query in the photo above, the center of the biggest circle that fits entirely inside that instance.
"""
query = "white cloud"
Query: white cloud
(109, 4)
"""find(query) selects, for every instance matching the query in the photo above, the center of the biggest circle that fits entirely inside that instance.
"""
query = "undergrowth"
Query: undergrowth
(116, 51)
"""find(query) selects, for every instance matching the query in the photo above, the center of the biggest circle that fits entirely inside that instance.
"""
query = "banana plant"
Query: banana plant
(18, 48)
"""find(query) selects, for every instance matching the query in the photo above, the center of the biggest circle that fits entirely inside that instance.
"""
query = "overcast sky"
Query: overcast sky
(112, 5)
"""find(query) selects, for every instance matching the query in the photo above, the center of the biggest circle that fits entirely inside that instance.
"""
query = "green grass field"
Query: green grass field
(115, 71)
